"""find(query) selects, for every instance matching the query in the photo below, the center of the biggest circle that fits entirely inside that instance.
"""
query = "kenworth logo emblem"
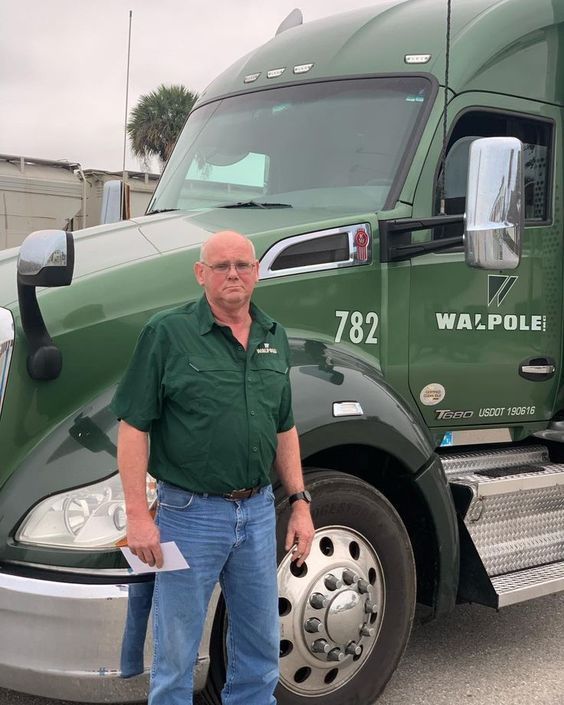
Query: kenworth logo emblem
(499, 286)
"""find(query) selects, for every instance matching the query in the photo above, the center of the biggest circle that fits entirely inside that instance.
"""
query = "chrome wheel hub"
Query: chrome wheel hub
(331, 610)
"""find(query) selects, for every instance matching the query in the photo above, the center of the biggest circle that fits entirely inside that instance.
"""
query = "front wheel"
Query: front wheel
(346, 614)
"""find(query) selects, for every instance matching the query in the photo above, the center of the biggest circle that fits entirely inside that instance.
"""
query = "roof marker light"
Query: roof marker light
(252, 77)
(417, 58)
(303, 68)
(274, 73)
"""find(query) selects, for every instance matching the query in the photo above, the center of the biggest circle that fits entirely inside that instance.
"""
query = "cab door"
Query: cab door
(485, 346)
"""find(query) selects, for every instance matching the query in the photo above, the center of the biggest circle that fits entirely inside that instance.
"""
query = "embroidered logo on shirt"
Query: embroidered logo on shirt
(267, 349)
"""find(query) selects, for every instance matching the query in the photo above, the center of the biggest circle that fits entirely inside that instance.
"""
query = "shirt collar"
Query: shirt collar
(206, 319)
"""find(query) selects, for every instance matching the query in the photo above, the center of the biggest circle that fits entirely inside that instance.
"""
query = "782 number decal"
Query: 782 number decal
(360, 328)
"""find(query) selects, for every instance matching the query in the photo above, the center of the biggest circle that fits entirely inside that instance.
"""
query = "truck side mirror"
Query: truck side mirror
(494, 203)
(46, 258)
(115, 205)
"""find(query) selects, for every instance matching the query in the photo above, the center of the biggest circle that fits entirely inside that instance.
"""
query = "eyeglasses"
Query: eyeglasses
(225, 267)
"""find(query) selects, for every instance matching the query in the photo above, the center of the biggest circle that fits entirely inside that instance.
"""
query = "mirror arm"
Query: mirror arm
(395, 237)
(44, 360)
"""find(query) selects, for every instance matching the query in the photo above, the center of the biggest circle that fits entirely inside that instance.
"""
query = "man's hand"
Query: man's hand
(143, 538)
(300, 532)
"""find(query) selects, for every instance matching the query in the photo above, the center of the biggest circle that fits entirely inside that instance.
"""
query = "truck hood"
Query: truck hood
(105, 246)
(179, 231)
(96, 249)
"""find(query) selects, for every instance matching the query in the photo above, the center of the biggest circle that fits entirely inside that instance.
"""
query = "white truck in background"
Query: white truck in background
(39, 194)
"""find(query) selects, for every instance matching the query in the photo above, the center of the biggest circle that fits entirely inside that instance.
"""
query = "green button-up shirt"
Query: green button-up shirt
(212, 408)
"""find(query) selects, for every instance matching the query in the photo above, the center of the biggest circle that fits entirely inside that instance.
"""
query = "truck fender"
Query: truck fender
(323, 375)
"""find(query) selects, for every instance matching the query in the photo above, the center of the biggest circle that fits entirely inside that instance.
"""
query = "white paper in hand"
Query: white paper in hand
(172, 559)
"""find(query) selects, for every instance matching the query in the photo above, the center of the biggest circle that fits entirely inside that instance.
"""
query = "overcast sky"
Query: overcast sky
(63, 64)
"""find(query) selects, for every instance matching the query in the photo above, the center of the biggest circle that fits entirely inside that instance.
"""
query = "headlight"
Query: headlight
(6, 348)
(89, 517)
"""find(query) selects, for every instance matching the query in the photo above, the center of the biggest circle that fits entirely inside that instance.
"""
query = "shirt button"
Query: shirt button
(240, 348)
(255, 449)
(252, 413)
(249, 379)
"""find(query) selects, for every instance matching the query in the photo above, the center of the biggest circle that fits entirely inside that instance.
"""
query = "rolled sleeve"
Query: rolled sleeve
(138, 398)
(285, 415)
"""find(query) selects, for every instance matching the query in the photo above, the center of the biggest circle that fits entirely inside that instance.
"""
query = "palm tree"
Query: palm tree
(157, 119)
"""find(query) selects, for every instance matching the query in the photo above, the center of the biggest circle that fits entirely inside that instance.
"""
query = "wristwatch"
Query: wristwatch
(305, 495)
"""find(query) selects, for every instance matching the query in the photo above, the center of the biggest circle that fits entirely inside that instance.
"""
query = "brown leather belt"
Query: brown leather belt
(242, 494)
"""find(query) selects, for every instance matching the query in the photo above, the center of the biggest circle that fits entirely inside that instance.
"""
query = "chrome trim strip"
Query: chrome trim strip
(479, 436)
(270, 255)
(118, 573)
(7, 337)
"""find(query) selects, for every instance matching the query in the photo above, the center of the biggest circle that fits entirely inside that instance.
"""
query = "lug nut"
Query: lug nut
(312, 625)
(367, 631)
(363, 586)
(332, 582)
(318, 601)
(349, 577)
(353, 649)
(370, 607)
(335, 655)
(320, 646)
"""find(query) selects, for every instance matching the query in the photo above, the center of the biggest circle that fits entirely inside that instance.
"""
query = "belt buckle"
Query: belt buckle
(243, 493)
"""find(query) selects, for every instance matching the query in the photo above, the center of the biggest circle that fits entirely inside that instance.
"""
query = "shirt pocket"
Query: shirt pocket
(272, 373)
(197, 382)
(172, 497)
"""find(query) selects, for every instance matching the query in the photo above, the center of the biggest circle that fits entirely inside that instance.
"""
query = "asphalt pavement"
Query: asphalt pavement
(475, 656)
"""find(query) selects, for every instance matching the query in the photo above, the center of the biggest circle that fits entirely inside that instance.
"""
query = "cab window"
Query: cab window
(536, 136)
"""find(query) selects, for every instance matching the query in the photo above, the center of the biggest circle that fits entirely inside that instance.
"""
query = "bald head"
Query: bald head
(228, 273)
(222, 239)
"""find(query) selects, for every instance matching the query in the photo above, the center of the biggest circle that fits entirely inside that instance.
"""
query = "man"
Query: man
(208, 382)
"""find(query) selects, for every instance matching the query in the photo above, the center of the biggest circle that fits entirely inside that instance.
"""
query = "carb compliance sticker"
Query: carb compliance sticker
(432, 394)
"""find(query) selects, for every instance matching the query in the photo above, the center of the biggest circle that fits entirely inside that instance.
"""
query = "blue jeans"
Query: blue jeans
(233, 542)
(139, 600)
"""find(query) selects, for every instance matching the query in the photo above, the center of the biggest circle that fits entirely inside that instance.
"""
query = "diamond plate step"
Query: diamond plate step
(508, 480)
(461, 463)
(527, 584)
(511, 502)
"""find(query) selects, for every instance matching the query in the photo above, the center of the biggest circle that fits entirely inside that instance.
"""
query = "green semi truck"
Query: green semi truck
(410, 236)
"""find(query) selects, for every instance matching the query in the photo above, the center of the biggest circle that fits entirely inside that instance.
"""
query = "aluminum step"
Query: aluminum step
(511, 503)
(461, 463)
(527, 584)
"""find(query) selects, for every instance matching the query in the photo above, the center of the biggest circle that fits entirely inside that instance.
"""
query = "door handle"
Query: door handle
(537, 369)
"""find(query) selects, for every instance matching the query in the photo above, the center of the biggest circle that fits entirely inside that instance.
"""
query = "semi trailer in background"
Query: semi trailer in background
(38, 194)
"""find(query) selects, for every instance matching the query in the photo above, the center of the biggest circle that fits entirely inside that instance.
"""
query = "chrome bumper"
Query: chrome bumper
(64, 640)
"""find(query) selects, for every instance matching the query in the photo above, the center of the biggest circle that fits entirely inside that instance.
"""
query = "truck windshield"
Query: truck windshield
(336, 144)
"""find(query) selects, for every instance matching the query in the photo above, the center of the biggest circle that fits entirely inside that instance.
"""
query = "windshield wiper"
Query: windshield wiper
(163, 210)
(255, 204)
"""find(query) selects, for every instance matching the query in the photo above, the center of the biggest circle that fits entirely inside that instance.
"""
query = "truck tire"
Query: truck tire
(354, 599)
